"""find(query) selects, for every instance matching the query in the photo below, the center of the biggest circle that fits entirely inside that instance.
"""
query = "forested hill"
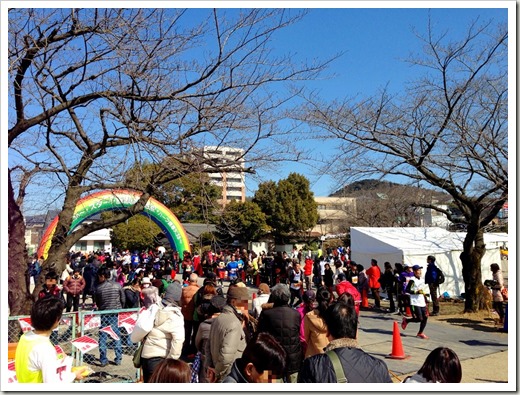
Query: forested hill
(363, 185)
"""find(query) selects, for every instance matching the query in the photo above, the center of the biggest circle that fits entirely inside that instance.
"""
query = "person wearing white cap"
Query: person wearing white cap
(417, 288)
(150, 293)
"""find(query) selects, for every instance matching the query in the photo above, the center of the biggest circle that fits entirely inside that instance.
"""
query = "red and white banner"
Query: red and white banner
(66, 321)
(91, 321)
(127, 320)
(11, 373)
(25, 324)
(110, 331)
(85, 343)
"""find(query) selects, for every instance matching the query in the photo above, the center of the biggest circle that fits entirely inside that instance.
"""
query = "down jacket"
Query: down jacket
(284, 324)
(167, 336)
(74, 286)
(227, 341)
(358, 366)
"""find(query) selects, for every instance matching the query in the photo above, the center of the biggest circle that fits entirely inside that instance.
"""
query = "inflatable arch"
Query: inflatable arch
(116, 199)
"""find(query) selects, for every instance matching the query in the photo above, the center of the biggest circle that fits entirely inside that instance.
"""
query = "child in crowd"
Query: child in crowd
(36, 360)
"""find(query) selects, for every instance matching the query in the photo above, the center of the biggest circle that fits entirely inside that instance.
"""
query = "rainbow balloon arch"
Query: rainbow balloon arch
(110, 200)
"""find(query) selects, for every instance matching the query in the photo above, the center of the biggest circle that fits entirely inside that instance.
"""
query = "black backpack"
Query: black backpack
(440, 277)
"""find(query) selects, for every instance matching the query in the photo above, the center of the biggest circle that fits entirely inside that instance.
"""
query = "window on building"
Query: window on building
(99, 245)
(80, 246)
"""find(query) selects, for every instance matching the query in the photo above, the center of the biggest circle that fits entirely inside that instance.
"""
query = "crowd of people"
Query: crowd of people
(301, 326)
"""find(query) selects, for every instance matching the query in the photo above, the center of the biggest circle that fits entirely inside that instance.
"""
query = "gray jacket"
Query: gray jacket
(227, 341)
(109, 295)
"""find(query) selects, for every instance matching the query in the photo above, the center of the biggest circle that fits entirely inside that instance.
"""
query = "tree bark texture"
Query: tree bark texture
(18, 285)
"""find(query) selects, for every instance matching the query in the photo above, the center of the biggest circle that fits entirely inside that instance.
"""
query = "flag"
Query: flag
(11, 373)
(91, 321)
(127, 320)
(25, 324)
(110, 331)
(85, 343)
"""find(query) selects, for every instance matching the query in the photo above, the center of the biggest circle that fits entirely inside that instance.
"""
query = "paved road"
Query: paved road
(483, 351)
(376, 335)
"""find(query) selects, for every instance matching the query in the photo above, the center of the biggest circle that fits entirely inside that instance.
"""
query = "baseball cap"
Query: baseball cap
(416, 267)
(236, 292)
(309, 295)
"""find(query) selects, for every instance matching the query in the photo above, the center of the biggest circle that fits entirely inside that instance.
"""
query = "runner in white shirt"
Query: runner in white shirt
(417, 289)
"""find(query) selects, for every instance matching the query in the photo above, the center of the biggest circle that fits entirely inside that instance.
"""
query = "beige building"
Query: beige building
(232, 183)
(333, 214)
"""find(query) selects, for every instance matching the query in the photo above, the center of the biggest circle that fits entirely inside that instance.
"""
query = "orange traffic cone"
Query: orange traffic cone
(397, 345)
(364, 298)
(408, 311)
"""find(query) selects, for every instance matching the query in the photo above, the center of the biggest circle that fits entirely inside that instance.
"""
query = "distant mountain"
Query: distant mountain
(363, 185)
(371, 185)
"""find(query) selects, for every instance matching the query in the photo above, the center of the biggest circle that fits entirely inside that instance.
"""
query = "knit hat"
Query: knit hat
(342, 277)
(238, 293)
(145, 280)
(173, 292)
(263, 289)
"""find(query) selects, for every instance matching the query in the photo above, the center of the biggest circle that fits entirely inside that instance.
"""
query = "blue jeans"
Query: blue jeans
(109, 320)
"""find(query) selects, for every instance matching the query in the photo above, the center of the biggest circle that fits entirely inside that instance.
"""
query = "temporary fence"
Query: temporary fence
(83, 336)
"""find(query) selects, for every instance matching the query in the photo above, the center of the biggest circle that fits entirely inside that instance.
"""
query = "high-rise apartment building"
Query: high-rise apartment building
(232, 182)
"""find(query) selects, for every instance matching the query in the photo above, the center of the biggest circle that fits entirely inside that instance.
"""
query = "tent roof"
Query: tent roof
(429, 240)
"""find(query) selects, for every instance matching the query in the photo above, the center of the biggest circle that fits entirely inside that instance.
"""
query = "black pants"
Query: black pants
(296, 294)
(434, 295)
(390, 293)
(499, 308)
(419, 315)
(72, 303)
(148, 365)
(377, 298)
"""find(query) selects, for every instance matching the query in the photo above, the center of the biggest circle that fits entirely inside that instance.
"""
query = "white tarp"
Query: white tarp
(412, 246)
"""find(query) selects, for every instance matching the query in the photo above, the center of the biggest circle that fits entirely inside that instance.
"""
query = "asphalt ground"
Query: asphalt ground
(483, 354)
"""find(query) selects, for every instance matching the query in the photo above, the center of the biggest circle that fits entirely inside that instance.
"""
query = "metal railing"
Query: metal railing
(78, 335)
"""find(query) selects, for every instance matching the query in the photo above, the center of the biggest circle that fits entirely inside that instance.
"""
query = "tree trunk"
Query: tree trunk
(61, 244)
(477, 296)
(18, 295)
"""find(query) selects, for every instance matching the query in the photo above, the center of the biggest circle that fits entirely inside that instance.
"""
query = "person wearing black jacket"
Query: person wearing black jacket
(388, 283)
(283, 322)
(358, 366)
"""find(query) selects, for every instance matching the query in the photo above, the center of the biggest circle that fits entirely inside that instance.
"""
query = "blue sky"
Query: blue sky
(375, 42)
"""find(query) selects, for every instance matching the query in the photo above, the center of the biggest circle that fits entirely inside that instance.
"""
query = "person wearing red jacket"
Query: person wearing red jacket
(73, 288)
(307, 273)
(374, 274)
(345, 286)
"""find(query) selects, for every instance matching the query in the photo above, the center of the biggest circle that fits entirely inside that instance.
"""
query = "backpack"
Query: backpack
(440, 277)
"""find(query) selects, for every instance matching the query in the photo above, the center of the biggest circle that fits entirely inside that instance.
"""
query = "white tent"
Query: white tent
(412, 246)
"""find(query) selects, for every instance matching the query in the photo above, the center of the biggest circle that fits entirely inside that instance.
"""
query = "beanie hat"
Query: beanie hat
(173, 292)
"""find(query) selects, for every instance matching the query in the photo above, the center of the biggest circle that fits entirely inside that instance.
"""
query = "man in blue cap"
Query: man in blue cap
(417, 289)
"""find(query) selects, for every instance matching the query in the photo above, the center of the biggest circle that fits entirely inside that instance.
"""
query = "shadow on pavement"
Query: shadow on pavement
(481, 343)
(467, 323)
